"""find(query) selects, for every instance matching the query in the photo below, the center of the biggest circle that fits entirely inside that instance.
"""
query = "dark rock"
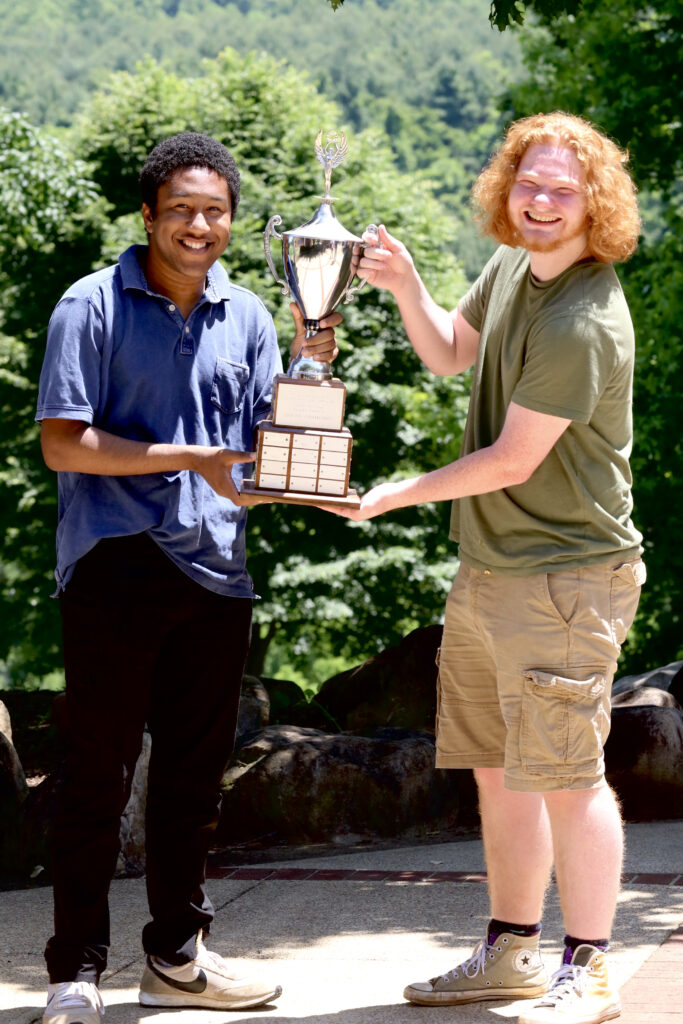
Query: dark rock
(289, 706)
(644, 761)
(34, 735)
(669, 678)
(396, 687)
(254, 709)
(132, 858)
(301, 785)
(645, 695)
(13, 795)
(5, 722)
(13, 787)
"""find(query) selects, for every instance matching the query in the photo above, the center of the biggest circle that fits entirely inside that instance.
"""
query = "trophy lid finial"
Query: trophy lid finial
(330, 153)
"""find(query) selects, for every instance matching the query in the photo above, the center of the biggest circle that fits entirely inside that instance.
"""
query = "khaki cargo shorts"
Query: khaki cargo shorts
(525, 672)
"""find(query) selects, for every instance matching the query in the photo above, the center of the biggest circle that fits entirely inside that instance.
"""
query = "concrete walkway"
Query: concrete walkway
(344, 934)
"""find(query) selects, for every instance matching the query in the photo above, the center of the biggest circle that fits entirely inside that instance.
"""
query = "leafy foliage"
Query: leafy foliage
(654, 285)
(51, 216)
(619, 64)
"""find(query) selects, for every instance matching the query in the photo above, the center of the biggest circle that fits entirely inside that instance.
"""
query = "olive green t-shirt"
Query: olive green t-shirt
(563, 347)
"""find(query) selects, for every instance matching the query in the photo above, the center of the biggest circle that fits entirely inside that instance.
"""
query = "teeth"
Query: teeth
(543, 220)
(194, 245)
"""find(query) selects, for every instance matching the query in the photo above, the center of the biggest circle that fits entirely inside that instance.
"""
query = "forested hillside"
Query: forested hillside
(429, 73)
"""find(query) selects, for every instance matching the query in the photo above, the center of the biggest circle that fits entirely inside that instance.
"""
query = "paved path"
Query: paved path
(343, 934)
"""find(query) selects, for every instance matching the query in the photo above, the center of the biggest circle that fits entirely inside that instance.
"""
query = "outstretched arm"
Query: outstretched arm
(71, 446)
(525, 440)
(443, 340)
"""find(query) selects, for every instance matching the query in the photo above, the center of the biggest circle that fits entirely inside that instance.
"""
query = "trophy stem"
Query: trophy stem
(305, 367)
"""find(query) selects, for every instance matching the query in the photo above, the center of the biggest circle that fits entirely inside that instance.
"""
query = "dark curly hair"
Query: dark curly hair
(189, 149)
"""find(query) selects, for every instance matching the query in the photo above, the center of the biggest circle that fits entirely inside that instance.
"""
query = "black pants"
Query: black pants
(142, 643)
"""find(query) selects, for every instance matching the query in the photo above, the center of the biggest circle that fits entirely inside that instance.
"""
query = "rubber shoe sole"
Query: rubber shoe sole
(172, 999)
(606, 1013)
(157, 990)
(421, 998)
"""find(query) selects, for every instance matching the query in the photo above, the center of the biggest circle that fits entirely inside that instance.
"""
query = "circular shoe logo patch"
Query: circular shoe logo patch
(525, 960)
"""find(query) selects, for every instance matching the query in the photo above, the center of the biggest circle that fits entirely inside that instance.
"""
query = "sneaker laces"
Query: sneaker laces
(77, 995)
(215, 960)
(570, 981)
(476, 963)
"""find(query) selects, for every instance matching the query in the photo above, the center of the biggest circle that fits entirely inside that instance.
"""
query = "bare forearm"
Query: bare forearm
(525, 441)
(87, 449)
(429, 327)
(479, 473)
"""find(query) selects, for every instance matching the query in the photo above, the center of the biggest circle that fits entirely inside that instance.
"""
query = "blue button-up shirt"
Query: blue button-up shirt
(122, 358)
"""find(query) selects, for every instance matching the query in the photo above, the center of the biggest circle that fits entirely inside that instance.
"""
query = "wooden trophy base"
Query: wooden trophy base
(303, 455)
(299, 498)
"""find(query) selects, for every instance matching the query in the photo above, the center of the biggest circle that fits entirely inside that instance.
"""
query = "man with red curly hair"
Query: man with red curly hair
(550, 571)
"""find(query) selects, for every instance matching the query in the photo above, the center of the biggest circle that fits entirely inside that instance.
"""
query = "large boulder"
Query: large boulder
(5, 721)
(290, 706)
(650, 696)
(301, 785)
(644, 761)
(13, 794)
(131, 861)
(254, 709)
(395, 688)
(668, 679)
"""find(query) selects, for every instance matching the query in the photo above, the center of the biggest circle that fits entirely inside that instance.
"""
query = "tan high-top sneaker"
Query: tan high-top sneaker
(509, 968)
(579, 993)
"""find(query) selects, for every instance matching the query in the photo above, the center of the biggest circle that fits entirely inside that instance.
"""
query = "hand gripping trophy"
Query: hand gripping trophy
(303, 454)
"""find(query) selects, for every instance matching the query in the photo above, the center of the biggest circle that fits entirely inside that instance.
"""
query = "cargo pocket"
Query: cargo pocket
(565, 720)
(229, 386)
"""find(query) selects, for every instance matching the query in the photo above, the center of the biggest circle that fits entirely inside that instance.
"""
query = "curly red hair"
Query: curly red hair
(612, 210)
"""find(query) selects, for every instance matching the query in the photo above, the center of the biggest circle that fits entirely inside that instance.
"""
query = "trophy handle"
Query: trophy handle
(270, 230)
(351, 292)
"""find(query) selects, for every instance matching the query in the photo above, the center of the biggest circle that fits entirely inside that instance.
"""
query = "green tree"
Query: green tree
(51, 218)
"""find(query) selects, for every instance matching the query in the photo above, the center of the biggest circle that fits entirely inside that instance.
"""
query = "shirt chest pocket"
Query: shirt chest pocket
(229, 386)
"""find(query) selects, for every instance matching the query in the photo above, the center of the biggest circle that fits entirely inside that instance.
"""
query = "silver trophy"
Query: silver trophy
(304, 450)
(320, 259)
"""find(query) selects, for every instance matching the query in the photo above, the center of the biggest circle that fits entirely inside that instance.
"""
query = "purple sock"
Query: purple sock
(571, 944)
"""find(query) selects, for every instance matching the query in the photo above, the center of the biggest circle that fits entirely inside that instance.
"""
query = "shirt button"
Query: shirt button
(187, 330)
(172, 308)
(487, 572)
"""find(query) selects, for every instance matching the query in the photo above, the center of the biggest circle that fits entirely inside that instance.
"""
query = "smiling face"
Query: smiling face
(547, 202)
(189, 229)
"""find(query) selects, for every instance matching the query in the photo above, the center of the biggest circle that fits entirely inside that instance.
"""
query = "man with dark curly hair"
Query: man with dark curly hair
(156, 373)
(550, 567)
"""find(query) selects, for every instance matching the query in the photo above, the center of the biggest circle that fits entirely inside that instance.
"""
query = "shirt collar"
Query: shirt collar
(132, 275)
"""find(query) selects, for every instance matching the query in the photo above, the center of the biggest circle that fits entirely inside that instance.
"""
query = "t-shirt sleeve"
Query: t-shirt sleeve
(567, 366)
(473, 304)
(70, 378)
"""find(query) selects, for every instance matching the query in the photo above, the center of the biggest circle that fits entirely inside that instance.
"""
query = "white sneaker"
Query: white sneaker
(206, 981)
(73, 1002)
(580, 993)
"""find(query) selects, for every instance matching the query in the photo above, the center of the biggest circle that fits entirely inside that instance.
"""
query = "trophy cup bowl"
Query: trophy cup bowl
(320, 261)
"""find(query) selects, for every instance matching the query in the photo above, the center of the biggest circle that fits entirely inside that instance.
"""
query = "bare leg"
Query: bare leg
(588, 843)
(517, 846)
